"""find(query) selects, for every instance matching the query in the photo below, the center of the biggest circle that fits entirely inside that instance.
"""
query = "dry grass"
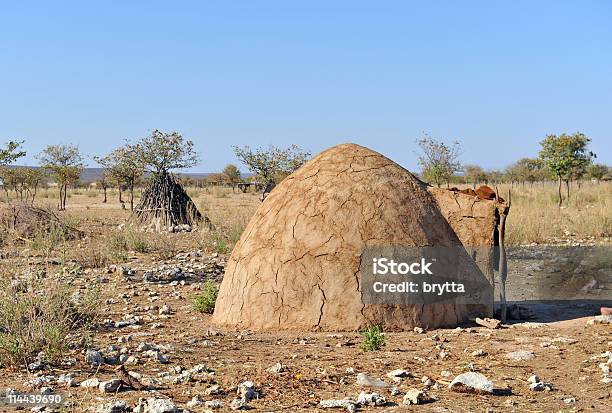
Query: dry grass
(37, 317)
(535, 217)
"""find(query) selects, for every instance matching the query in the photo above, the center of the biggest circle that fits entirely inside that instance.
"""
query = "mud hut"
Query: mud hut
(296, 265)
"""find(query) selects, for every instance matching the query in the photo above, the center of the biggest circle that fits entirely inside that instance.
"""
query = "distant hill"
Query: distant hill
(93, 174)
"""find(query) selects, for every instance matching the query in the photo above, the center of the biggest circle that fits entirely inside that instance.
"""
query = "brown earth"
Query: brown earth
(566, 351)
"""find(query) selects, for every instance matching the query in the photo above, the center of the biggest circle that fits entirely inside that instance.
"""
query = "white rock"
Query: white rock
(471, 382)
(90, 383)
(277, 368)
(246, 390)
(213, 404)
(114, 406)
(238, 404)
(213, 390)
(541, 386)
(155, 405)
(365, 380)
(416, 396)
(533, 378)
(110, 386)
(371, 399)
(94, 357)
(399, 374)
(600, 319)
(520, 355)
(195, 401)
(347, 404)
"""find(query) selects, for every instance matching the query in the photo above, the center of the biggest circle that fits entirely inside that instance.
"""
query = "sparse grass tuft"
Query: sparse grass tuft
(42, 318)
(205, 302)
(373, 339)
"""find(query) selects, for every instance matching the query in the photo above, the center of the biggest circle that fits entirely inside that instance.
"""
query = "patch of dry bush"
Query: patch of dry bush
(162, 245)
(229, 223)
(46, 318)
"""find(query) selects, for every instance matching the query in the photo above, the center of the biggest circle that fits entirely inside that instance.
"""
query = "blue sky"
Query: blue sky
(497, 75)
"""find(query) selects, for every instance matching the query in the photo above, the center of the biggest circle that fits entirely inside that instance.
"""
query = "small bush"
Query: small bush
(46, 242)
(47, 319)
(127, 240)
(373, 339)
(140, 245)
(205, 302)
(164, 246)
(96, 255)
(215, 241)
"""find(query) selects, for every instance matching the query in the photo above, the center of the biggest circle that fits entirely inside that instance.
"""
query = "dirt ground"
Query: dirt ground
(561, 348)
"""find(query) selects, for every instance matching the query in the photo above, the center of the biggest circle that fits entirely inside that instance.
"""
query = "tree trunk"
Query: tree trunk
(120, 193)
(567, 187)
(34, 193)
(65, 196)
(559, 191)
(131, 197)
(104, 195)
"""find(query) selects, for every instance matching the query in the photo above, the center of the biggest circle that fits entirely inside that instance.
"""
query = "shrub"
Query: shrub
(96, 255)
(373, 339)
(205, 302)
(48, 319)
(215, 241)
(126, 240)
(164, 246)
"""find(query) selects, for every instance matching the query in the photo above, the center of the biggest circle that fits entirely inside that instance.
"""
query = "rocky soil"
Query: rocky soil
(153, 353)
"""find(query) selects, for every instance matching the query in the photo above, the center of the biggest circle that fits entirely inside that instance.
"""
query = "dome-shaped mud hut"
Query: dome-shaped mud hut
(296, 265)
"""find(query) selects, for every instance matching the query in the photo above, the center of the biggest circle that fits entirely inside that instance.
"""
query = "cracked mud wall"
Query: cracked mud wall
(296, 266)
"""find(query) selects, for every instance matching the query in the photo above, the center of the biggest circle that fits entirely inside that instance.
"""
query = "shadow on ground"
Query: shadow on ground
(550, 311)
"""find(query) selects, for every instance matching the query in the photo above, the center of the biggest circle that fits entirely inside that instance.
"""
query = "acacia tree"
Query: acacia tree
(164, 202)
(273, 164)
(8, 155)
(526, 170)
(24, 181)
(567, 157)
(125, 168)
(102, 182)
(597, 171)
(475, 174)
(64, 163)
(231, 175)
(438, 161)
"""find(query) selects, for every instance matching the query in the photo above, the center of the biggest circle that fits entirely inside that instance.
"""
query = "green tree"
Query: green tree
(597, 171)
(11, 152)
(231, 175)
(125, 167)
(526, 170)
(161, 152)
(164, 202)
(25, 182)
(64, 163)
(273, 164)
(8, 155)
(566, 156)
(474, 174)
(438, 161)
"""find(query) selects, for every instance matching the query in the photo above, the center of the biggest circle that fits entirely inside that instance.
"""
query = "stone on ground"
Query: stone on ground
(471, 382)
